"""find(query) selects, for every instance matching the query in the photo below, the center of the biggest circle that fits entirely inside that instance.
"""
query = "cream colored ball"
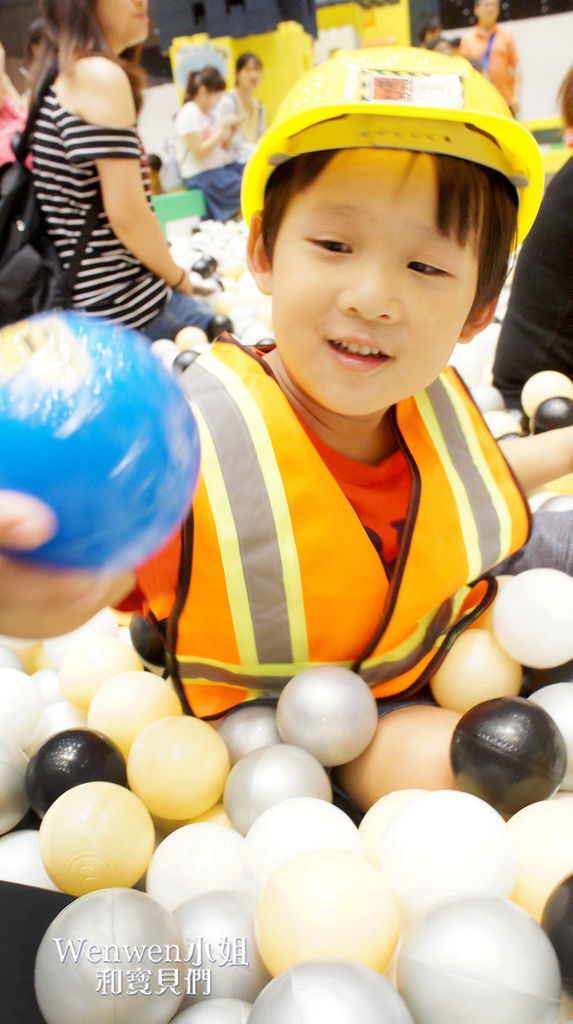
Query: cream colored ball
(190, 337)
(327, 903)
(127, 703)
(542, 385)
(89, 662)
(178, 767)
(475, 669)
(543, 840)
(96, 836)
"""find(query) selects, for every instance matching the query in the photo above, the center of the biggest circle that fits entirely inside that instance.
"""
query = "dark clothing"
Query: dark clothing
(537, 331)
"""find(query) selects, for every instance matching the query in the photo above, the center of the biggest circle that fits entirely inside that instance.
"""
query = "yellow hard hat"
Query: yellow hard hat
(399, 98)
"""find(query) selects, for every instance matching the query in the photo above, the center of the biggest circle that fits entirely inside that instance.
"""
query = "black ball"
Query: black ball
(205, 265)
(147, 642)
(218, 325)
(552, 413)
(183, 360)
(509, 752)
(557, 922)
(68, 759)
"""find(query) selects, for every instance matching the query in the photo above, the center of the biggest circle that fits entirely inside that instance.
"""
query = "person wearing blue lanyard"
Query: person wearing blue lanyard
(494, 46)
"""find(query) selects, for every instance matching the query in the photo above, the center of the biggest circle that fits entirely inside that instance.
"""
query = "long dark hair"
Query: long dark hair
(71, 31)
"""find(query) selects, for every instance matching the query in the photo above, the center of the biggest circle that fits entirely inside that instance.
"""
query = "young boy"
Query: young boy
(352, 502)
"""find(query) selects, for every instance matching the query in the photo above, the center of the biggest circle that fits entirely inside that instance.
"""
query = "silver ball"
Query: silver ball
(329, 711)
(476, 959)
(67, 988)
(221, 922)
(268, 775)
(333, 991)
(246, 729)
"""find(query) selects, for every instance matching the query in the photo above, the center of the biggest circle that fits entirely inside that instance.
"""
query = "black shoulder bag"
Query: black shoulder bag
(31, 276)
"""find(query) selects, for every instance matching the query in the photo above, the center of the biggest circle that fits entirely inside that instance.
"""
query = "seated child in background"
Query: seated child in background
(202, 142)
(352, 502)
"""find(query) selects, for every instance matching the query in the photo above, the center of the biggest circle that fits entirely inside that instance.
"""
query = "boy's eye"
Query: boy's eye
(425, 268)
(331, 246)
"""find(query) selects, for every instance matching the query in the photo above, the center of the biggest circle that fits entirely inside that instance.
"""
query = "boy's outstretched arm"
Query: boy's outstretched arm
(38, 601)
(539, 458)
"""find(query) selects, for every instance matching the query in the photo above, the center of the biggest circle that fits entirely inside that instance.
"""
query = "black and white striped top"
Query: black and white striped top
(111, 282)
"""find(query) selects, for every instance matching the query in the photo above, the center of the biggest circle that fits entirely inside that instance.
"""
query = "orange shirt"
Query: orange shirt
(378, 494)
(503, 58)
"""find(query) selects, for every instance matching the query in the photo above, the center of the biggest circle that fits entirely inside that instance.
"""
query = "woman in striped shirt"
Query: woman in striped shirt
(86, 150)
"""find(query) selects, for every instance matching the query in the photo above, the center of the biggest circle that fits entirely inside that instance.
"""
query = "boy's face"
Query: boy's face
(369, 299)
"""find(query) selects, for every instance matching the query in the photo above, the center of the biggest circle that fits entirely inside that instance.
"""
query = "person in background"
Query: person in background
(203, 145)
(495, 48)
(12, 113)
(242, 101)
(537, 329)
(429, 30)
(86, 150)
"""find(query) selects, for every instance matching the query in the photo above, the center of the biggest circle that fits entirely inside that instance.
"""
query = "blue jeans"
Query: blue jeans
(179, 311)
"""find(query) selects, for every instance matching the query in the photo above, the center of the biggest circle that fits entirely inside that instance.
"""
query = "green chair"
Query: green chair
(178, 205)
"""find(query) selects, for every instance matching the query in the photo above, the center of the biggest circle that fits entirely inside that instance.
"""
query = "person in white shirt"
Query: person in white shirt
(203, 145)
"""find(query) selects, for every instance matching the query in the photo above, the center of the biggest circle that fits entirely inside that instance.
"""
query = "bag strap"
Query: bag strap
(21, 146)
(72, 271)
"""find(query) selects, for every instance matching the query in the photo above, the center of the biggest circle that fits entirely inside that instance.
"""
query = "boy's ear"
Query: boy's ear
(478, 321)
(257, 259)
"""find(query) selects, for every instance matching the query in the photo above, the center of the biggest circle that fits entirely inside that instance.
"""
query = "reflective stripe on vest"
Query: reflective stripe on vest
(439, 429)
(252, 518)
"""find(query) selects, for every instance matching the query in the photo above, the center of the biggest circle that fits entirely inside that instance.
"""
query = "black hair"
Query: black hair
(471, 200)
(208, 77)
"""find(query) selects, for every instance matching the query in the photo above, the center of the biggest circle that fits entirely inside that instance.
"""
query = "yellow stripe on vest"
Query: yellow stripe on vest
(259, 435)
(467, 521)
(482, 465)
(228, 543)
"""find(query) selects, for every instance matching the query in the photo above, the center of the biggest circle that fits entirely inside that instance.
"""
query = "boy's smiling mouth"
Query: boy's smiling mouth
(357, 348)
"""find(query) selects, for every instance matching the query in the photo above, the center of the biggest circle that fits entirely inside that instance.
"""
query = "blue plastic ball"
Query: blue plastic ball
(92, 424)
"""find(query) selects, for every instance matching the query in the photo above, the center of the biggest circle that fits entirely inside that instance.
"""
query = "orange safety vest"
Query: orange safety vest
(274, 572)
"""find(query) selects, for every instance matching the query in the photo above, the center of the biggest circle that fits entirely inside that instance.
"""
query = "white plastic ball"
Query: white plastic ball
(330, 991)
(69, 989)
(444, 844)
(9, 659)
(557, 700)
(247, 728)
(533, 618)
(488, 398)
(221, 923)
(378, 817)
(48, 682)
(55, 718)
(20, 706)
(268, 775)
(329, 711)
(196, 859)
(296, 826)
(21, 861)
(479, 959)
(104, 623)
(14, 803)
